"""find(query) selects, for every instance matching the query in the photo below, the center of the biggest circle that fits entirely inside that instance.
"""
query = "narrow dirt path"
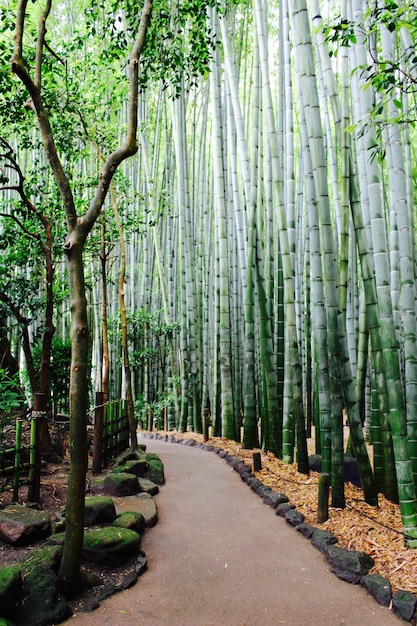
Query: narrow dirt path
(219, 556)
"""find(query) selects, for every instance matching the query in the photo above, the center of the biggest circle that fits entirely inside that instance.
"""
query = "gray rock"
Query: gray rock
(105, 592)
(110, 546)
(294, 517)
(128, 581)
(305, 529)
(132, 520)
(234, 462)
(99, 510)
(348, 565)
(146, 505)
(22, 525)
(10, 589)
(284, 507)
(148, 486)
(243, 470)
(322, 538)
(404, 605)
(274, 498)
(141, 564)
(378, 587)
(262, 491)
(116, 484)
(254, 483)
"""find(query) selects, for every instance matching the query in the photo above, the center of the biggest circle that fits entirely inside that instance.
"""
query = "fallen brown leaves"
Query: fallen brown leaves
(374, 530)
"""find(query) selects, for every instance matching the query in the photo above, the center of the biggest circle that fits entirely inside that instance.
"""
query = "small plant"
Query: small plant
(11, 395)
(11, 399)
(154, 413)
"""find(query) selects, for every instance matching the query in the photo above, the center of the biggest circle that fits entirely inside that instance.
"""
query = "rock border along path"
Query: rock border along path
(220, 556)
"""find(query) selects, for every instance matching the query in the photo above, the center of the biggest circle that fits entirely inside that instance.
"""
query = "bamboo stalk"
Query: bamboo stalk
(17, 460)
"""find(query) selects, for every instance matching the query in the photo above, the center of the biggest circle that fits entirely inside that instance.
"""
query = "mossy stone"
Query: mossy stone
(155, 471)
(47, 557)
(99, 510)
(42, 603)
(136, 467)
(10, 589)
(116, 484)
(132, 520)
(111, 546)
(22, 525)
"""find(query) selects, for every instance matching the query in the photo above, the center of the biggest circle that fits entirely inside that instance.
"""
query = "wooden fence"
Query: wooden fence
(18, 464)
(111, 431)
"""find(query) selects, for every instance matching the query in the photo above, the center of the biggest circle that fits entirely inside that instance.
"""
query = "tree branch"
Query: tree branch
(130, 147)
(22, 226)
(20, 70)
(40, 44)
(24, 324)
(14, 165)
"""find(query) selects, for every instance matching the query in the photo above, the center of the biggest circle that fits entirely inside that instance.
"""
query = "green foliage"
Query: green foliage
(146, 333)
(392, 79)
(59, 374)
(179, 44)
(156, 410)
(11, 396)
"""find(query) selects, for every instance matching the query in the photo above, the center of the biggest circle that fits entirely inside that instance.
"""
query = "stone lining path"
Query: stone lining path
(219, 556)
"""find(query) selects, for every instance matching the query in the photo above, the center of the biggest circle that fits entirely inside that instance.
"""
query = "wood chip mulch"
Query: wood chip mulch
(374, 530)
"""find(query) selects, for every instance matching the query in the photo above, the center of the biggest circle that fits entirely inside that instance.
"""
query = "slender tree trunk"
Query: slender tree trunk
(105, 368)
(123, 316)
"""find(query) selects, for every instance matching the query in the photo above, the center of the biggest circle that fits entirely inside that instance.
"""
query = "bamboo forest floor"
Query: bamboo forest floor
(220, 556)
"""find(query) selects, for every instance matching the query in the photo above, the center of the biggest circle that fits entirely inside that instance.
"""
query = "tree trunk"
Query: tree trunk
(122, 307)
(69, 573)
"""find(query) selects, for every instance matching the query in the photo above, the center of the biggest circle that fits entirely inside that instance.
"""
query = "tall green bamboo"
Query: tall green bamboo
(228, 421)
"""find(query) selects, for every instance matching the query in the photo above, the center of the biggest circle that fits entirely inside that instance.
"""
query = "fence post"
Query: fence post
(98, 432)
(323, 498)
(39, 412)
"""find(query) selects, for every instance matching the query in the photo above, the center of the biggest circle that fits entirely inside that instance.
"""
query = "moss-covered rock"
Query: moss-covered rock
(155, 471)
(132, 520)
(47, 557)
(147, 486)
(21, 525)
(111, 546)
(116, 484)
(10, 590)
(42, 604)
(56, 539)
(99, 510)
(136, 467)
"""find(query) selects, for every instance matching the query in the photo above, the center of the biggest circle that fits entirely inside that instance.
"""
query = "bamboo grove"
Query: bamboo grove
(254, 264)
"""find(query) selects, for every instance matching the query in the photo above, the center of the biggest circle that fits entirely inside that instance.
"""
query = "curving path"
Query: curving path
(220, 556)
